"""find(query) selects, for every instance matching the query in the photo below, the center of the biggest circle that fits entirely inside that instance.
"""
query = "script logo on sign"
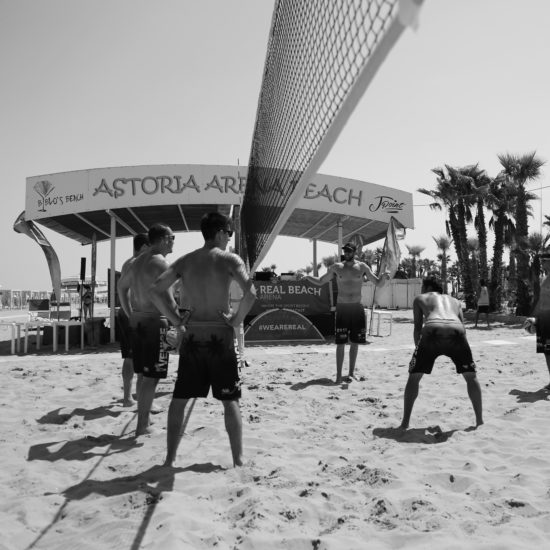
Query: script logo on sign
(386, 204)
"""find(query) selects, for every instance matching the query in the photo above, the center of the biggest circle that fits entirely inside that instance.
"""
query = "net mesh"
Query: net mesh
(316, 52)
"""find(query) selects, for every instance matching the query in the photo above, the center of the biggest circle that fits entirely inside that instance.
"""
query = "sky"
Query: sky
(99, 83)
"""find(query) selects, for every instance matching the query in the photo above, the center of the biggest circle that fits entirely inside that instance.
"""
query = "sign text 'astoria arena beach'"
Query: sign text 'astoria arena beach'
(135, 186)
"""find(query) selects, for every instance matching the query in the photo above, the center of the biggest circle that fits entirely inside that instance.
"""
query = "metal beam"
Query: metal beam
(138, 219)
(315, 225)
(121, 222)
(348, 235)
(183, 218)
(81, 217)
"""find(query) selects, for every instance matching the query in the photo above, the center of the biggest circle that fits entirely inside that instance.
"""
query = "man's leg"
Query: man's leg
(474, 393)
(145, 400)
(139, 383)
(547, 357)
(233, 425)
(340, 351)
(175, 422)
(411, 393)
(477, 317)
(353, 349)
(127, 377)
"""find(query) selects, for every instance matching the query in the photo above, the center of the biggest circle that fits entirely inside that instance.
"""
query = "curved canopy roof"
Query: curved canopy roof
(80, 203)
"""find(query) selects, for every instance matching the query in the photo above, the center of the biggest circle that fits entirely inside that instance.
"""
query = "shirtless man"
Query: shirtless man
(350, 313)
(141, 243)
(149, 327)
(439, 330)
(207, 350)
(541, 318)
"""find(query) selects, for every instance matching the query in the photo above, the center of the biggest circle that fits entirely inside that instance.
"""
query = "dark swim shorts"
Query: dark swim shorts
(543, 332)
(208, 358)
(442, 337)
(149, 346)
(483, 309)
(124, 334)
(350, 324)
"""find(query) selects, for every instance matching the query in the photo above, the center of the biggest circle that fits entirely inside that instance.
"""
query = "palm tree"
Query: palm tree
(520, 169)
(327, 261)
(481, 189)
(502, 203)
(443, 243)
(455, 191)
(415, 251)
(473, 250)
(536, 244)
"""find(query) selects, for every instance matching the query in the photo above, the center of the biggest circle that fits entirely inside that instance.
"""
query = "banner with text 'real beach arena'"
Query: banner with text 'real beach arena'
(301, 296)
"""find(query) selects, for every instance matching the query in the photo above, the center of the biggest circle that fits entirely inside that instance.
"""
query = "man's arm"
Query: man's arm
(163, 298)
(418, 316)
(378, 281)
(327, 277)
(242, 278)
(123, 290)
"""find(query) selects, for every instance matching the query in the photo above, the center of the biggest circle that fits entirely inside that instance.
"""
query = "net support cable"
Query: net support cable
(321, 57)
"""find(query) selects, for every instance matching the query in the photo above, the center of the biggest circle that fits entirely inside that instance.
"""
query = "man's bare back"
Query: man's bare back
(205, 276)
(439, 306)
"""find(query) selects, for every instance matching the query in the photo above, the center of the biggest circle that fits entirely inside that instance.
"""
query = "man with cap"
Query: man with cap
(350, 322)
(541, 318)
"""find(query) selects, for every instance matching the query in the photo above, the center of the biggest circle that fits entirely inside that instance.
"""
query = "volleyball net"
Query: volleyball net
(321, 57)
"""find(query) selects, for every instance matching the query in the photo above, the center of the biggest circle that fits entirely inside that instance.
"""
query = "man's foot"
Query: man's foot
(338, 380)
(128, 403)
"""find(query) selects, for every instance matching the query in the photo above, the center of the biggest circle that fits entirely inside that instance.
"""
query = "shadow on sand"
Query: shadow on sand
(430, 435)
(82, 449)
(531, 396)
(315, 382)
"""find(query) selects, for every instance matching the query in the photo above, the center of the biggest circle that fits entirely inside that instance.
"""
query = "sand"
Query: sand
(326, 468)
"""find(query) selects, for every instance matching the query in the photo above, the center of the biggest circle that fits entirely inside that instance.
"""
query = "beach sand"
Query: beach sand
(326, 468)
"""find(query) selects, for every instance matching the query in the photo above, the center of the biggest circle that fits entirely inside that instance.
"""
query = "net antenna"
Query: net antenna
(321, 57)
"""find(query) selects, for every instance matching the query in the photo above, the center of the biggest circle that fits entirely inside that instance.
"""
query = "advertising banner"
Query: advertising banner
(282, 325)
(301, 296)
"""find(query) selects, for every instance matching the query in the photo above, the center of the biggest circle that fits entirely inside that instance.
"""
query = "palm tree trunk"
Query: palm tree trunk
(522, 256)
(495, 296)
(469, 296)
(482, 240)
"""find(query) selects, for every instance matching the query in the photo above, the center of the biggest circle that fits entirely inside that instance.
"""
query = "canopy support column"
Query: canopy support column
(315, 270)
(112, 281)
(340, 238)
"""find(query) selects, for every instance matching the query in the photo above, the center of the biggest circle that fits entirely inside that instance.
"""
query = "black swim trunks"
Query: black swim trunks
(124, 334)
(208, 358)
(150, 349)
(442, 337)
(350, 324)
(543, 332)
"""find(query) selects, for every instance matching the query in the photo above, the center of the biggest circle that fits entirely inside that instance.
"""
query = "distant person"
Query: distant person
(207, 350)
(87, 300)
(439, 330)
(482, 302)
(141, 243)
(148, 326)
(541, 318)
(350, 322)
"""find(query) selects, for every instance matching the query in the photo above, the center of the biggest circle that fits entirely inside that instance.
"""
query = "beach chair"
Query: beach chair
(39, 309)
